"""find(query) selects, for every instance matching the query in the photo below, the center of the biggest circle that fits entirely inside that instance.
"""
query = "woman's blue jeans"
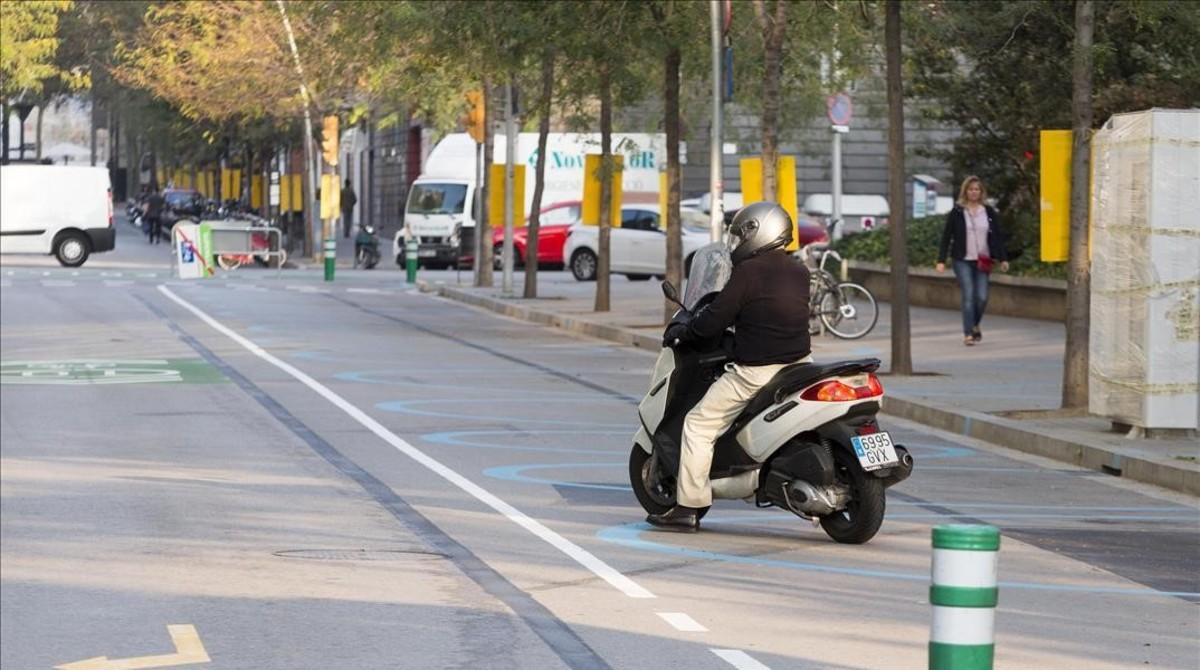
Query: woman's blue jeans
(974, 287)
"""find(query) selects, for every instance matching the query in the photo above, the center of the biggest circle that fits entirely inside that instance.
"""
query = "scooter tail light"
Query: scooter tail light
(836, 391)
(873, 388)
(830, 391)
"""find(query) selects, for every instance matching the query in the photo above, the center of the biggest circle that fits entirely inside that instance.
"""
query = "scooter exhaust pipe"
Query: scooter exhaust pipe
(902, 471)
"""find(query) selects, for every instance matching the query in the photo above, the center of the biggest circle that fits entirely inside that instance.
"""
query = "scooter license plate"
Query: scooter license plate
(874, 451)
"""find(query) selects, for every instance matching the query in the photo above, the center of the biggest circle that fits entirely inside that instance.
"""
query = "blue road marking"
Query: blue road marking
(629, 535)
(456, 438)
(372, 378)
(513, 473)
(406, 407)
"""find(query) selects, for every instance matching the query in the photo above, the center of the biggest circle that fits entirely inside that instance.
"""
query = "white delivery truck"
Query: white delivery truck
(62, 210)
(440, 211)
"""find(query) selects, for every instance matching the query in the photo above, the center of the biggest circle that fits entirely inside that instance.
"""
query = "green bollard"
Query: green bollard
(963, 595)
(330, 258)
(410, 259)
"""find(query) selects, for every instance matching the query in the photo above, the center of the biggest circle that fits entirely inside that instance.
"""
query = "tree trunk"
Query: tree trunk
(7, 112)
(133, 163)
(674, 230)
(606, 187)
(539, 184)
(38, 133)
(483, 227)
(92, 130)
(901, 340)
(773, 24)
(1075, 359)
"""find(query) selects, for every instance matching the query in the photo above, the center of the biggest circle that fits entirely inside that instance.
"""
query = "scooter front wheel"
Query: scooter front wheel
(654, 489)
(655, 492)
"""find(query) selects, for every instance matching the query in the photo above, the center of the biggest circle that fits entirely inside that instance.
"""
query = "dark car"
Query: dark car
(183, 202)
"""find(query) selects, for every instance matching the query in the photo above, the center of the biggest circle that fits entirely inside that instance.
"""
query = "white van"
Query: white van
(56, 209)
(440, 207)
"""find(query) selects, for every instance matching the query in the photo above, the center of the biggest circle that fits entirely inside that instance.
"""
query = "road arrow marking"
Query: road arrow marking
(188, 650)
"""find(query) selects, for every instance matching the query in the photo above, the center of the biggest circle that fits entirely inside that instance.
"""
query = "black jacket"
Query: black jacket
(954, 236)
(766, 299)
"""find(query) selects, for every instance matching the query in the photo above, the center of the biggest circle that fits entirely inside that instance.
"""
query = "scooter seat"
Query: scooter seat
(795, 378)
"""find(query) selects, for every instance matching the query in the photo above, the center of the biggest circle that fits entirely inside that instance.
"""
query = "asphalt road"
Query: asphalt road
(360, 476)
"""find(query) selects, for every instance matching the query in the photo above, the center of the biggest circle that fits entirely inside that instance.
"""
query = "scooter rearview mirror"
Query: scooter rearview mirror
(671, 293)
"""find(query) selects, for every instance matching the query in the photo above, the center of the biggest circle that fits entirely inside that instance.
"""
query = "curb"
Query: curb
(1000, 431)
(1013, 435)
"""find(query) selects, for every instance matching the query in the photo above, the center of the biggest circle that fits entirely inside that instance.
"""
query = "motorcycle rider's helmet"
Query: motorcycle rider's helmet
(757, 229)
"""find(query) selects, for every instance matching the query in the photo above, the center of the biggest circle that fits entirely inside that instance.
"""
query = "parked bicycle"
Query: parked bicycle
(846, 309)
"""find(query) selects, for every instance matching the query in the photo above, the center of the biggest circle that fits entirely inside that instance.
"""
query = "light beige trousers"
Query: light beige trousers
(711, 417)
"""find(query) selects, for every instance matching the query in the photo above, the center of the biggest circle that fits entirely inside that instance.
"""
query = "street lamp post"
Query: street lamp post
(717, 205)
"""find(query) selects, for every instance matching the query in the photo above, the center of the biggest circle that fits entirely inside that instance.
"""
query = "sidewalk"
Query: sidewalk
(1004, 390)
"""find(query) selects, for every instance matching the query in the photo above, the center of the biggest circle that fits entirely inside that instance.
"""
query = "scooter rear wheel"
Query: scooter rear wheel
(863, 516)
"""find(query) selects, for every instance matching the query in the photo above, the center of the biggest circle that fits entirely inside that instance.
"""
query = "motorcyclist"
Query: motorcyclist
(766, 300)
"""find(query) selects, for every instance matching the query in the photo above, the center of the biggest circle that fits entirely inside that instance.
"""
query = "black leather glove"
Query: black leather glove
(676, 334)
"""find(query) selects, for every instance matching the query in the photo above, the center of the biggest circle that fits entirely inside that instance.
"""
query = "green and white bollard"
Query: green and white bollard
(410, 259)
(330, 258)
(963, 595)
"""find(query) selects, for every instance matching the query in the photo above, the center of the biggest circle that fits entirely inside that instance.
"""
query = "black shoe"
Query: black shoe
(678, 519)
(977, 334)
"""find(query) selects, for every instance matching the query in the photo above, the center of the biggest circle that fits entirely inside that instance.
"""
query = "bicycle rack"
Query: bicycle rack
(227, 239)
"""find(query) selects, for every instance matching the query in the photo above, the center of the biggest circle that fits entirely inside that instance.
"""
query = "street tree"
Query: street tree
(803, 51)
(29, 42)
(674, 30)
(901, 339)
(544, 102)
(996, 72)
(1075, 363)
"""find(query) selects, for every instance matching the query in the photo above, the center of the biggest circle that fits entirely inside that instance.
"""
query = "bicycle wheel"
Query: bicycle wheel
(849, 311)
(229, 261)
(821, 285)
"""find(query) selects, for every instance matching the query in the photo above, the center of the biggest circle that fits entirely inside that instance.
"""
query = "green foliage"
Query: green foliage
(1001, 71)
(925, 233)
(28, 43)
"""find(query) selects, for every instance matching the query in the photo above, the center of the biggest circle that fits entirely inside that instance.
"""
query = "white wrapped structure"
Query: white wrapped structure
(1145, 288)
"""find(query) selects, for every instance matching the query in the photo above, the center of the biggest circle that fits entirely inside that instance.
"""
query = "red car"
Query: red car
(553, 223)
(810, 231)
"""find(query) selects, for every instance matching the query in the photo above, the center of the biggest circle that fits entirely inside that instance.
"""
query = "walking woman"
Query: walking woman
(974, 241)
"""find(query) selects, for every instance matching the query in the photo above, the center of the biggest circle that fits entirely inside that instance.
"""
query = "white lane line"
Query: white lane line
(5, 283)
(373, 291)
(682, 622)
(118, 282)
(57, 282)
(739, 659)
(307, 289)
(578, 554)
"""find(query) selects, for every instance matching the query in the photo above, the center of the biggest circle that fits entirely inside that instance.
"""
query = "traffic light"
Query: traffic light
(476, 118)
(329, 140)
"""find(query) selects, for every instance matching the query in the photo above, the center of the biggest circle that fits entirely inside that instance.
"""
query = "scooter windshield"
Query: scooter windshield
(710, 272)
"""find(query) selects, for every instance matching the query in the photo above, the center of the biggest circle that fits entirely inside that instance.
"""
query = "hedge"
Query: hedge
(925, 233)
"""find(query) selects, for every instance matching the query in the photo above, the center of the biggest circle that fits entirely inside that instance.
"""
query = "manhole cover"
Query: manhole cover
(359, 554)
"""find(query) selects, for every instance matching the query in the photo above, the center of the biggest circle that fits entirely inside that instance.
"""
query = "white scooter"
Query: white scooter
(807, 442)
